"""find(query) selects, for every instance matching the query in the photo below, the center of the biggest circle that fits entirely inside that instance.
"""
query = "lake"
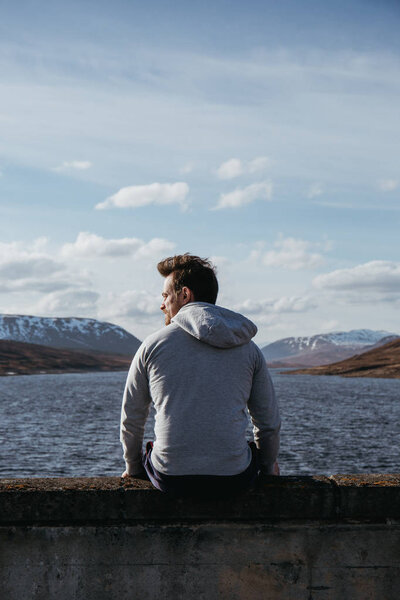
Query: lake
(68, 425)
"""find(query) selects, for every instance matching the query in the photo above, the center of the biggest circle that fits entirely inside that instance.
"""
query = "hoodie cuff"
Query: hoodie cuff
(267, 469)
(134, 467)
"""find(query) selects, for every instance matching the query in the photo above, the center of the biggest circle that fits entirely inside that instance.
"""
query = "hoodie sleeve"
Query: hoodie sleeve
(264, 413)
(135, 408)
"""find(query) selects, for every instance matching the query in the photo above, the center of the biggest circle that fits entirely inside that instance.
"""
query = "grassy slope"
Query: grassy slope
(26, 359)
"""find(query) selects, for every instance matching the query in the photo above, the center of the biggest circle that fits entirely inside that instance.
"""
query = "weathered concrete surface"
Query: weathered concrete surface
(208, 560)
(111, 500)
(305, 538)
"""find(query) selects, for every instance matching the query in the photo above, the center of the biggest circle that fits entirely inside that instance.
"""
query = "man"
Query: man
(202, 372)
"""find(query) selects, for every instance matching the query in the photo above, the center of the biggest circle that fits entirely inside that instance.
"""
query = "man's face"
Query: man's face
(172, 300)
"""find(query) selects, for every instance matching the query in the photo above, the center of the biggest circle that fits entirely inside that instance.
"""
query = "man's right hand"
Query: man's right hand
(276, 469)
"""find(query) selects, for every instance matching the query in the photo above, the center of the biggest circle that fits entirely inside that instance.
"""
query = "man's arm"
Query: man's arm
(135, 408)
(264, 413)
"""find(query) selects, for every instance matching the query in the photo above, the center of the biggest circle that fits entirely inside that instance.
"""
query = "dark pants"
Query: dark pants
(201, 486)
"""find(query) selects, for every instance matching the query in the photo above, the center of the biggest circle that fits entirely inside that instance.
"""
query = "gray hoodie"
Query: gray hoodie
(202, 374)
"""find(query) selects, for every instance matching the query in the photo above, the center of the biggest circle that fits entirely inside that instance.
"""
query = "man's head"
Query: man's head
(188, 278)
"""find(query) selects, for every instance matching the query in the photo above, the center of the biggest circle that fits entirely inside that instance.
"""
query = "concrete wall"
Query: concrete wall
(292, 538)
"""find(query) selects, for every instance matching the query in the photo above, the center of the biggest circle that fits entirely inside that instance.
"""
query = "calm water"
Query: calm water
(68, 425)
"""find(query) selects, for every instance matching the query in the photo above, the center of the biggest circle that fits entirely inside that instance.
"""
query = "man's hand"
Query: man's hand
(276, 469)
(141, 475)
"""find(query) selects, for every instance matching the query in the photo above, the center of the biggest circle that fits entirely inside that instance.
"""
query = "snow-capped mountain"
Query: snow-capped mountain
(324, 348)
(378, 362)
(70, 333)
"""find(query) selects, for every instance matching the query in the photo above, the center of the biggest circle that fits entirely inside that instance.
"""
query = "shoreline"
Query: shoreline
(63, 372)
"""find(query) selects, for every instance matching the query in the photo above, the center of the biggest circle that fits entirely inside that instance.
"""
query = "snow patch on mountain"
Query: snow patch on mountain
(68, 332)
(356, 340)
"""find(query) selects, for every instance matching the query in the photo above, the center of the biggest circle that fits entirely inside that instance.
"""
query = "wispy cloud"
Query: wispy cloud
(388, 185)
(315, 190)
(187, 168)
(136, 196)
(242, 196)
(73, 165)
(257, 164)
(234, 167)
(90, 245)
(291, 253)
(330, 325)
(377, 278)
(160, 93)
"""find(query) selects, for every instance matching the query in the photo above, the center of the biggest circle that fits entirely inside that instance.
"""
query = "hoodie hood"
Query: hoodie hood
(215, 325)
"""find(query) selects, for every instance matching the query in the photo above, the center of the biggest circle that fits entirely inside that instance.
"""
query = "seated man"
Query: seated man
(202, 373)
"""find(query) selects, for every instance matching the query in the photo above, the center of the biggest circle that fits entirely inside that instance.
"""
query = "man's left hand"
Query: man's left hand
(141, 475)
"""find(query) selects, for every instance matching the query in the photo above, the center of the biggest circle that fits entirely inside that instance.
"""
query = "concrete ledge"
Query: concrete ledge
(114, 501)
(293, 538)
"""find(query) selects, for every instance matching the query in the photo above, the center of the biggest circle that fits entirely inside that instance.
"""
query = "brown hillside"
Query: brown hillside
(379, 362)
(25, 359)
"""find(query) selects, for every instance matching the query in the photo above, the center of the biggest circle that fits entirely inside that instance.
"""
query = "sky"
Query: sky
(263, 135)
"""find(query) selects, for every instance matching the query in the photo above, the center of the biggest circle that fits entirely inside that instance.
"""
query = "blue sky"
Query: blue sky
(264, 135)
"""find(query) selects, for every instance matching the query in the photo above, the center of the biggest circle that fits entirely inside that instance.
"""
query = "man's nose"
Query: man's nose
(162, 307)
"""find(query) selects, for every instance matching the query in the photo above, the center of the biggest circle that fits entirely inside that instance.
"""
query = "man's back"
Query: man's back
(201, 372)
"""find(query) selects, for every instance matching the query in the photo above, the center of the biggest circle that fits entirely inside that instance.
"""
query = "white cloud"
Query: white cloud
(76, 303)
(258, 164)
(377, 278)
(140, 305)
(234, 167)
(314, 190)
(291, 253)
(285, 304)
(27, 267)
(135, 196)
(90, 245)
(39, 244)
(288, 304)
(23, 266)
(35, 284)
(219, 261)
(388, 185)
(242, 196)
(154, 248)
(73, 165)
(230, 169)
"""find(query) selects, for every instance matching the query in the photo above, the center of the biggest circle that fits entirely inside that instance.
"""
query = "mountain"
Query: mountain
(379, 362)
(19, 358)
(325, 348)
(69, 333)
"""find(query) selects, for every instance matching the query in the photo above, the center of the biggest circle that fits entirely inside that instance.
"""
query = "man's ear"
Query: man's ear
(187, 295)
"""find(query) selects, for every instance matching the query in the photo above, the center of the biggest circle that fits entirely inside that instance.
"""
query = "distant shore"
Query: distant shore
(18, 358)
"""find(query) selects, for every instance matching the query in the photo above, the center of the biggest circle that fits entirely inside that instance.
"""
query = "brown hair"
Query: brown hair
(198, 274)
